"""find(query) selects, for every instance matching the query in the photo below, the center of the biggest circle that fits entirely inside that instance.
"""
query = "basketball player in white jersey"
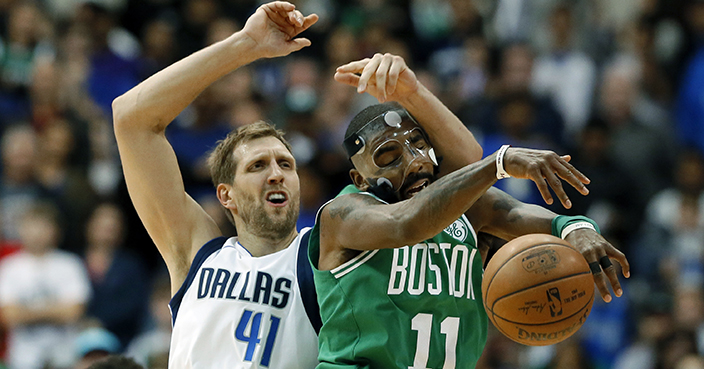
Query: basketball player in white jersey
(237, 302)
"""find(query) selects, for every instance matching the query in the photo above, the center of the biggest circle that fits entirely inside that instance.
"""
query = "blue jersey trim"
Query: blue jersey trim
(208, 249)
(306, 284)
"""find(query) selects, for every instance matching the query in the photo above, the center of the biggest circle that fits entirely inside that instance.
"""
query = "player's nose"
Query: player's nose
(276, 174)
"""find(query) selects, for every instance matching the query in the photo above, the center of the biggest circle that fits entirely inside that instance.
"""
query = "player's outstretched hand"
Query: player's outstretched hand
(386, 77)
(545, 168)
(599, 253)
(274, 27)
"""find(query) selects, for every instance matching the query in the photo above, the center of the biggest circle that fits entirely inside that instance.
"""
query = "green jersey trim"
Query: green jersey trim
(353, 263)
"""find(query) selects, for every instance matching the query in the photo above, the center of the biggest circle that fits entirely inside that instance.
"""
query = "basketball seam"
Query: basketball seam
(557, 321)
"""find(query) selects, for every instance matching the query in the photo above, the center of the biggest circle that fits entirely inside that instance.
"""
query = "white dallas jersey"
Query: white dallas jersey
(238, 311)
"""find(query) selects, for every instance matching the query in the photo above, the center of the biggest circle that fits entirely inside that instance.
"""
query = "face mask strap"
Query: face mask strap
(393, 118)
(383, 189)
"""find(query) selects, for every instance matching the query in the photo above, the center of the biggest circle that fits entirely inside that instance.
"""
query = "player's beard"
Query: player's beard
(274, 224)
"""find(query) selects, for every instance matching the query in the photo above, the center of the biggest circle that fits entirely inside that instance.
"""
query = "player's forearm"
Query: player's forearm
(154, 103)
(502, 215)
(449, 136)
(444, 201)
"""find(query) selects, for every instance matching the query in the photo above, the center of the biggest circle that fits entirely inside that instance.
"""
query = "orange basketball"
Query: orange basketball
(538, 290)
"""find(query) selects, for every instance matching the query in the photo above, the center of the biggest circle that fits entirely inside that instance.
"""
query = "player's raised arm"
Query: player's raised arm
(388, 78)
(175, 222)
(362, 223)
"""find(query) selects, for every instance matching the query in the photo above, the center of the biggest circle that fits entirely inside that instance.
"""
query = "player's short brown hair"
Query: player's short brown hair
(223, 164)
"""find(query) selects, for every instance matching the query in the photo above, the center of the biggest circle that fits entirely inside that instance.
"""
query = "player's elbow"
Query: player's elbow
(119, 111)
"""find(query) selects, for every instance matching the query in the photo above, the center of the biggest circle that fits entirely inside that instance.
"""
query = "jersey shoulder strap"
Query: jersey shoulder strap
(208, 249)
(306, 284)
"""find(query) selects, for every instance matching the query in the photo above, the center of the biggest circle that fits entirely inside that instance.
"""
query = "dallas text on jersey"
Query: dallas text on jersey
(222, 284)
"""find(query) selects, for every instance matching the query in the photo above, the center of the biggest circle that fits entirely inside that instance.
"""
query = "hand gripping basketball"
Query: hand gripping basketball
(598, 252)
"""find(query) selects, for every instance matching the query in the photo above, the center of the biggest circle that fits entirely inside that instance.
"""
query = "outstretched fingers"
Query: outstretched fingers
(572, 175)
(368, 72)
(350, 79)
(536, 175)
(621, 260)
(552, 170)
(381, 76)
(594, 259)
(397, 66)
(353, 67)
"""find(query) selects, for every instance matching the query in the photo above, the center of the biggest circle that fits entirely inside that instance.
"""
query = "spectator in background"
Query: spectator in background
(116, 362)
(117, 277)
(691, 361)
(671, 349)
(672, 238)
(196, 15)
(109, 74)
(643, 152)
(515, 74)
(517, 126)
(312, 196)
(43, 292)
(566, 75)
(192, 140)
(94, 344)
(158, 47)
(653, 322)
(689, 104)
(25, 40)
(66, 183)
(611, 201)
(570, 354)
(155, 340)
(19, 187)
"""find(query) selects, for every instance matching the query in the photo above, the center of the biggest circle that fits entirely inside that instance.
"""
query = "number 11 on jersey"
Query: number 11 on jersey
(423, 323)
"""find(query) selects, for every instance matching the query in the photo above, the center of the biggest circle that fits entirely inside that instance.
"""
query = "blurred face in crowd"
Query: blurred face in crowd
(516, 68)
(105, 227)
(689, 173)
(561, 23)
(38, 234)
(617, 94)
(266, 188)
(18, 154)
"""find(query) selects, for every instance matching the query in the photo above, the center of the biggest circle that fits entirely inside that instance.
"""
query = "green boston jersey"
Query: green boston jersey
(417, 306)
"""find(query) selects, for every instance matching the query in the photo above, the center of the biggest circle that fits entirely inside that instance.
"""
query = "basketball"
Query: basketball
(538, 290)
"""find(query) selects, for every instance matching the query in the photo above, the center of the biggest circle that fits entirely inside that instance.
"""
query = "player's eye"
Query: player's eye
(418, 140)
(387, 154)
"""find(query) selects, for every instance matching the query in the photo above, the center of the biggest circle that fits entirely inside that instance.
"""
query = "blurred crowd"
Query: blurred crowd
(617, 84)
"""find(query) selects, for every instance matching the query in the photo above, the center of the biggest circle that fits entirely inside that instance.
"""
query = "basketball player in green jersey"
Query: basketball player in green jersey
(396, 264)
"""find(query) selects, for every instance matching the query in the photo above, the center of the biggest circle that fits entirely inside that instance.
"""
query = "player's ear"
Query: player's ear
(358, 180)
(224, 193)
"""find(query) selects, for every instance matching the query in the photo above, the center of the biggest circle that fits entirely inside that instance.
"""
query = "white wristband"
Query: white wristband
(500, 171)
(575, 226)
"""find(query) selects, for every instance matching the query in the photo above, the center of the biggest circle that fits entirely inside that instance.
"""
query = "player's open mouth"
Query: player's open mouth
(277, 198)
(417, 187)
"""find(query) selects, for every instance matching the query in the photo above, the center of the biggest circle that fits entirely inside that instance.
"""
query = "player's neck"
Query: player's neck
(260, 246)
